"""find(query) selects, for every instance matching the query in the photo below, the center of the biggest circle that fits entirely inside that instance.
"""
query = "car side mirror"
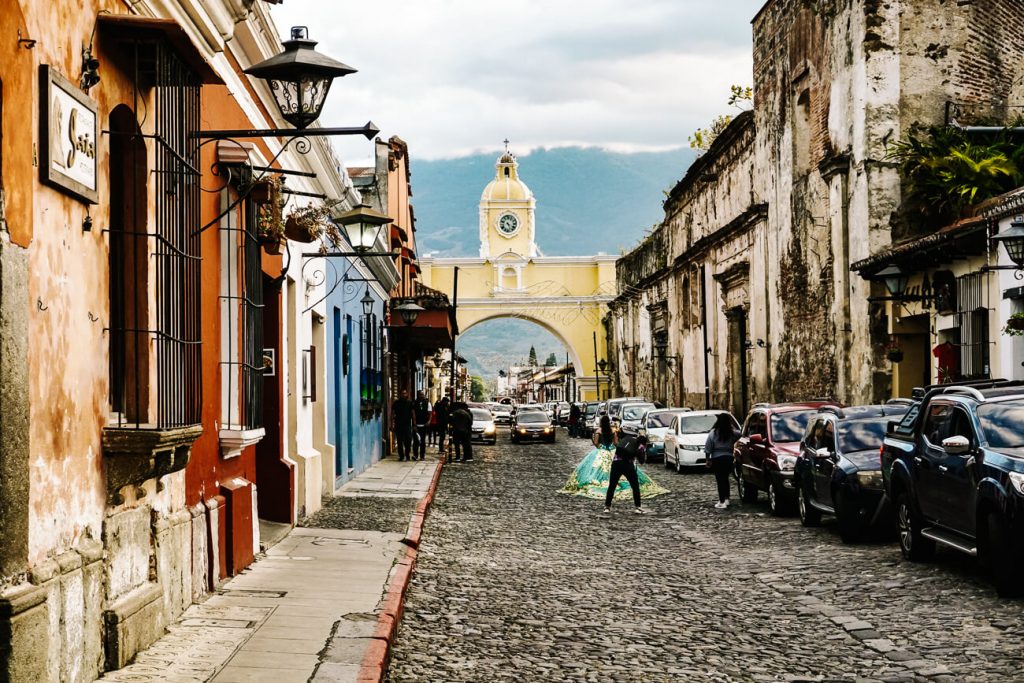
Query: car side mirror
(756, 438)
(956, 445)
(890, 427)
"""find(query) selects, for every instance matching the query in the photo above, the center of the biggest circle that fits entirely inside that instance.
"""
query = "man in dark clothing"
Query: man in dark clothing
(461, 421)
(401, 414)
(442, 409)
(421, 412)
(574, 420)
(628, 449)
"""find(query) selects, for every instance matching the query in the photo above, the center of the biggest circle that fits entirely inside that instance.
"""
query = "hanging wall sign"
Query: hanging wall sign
(68, 136)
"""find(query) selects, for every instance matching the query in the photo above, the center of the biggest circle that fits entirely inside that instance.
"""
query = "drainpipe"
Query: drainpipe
(455, 326)
(704, 325)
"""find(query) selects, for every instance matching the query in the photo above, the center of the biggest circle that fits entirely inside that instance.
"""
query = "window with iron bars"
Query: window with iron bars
(371, 382)
(972, 320)
(154, 257)
(241, 315)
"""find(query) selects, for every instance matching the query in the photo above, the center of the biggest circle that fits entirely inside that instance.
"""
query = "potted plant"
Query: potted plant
(309, 223)
(1015, 325)
(269, 219)
(893, 352)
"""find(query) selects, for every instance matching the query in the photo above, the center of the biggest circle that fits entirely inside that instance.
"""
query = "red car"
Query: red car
(767, 451)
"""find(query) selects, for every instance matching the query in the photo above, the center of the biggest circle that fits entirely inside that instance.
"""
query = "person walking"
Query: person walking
(401, 416)
(718, 455)
(421, 413)
(461, 421)
(628, 448)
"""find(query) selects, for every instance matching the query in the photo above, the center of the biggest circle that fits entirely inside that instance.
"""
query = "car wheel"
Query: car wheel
(1005, 557)
(809, 515)
(748, 493)
(846, 520)
(913, 545)
(774, 502)
(679, 465)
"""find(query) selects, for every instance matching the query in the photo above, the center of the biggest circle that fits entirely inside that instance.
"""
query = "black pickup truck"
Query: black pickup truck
(954, 469)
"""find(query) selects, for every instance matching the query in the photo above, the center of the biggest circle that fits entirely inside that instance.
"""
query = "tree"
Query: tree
(702, 138)
(552, 360)
(477, 388)
(533, 356)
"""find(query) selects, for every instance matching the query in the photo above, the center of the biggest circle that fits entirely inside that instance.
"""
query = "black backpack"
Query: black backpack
(629, 448)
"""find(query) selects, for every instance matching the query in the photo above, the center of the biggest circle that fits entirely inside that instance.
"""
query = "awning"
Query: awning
(131, 28)
(960, 240)
(430, 332)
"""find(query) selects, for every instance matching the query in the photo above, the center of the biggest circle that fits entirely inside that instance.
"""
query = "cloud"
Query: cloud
(453, 77)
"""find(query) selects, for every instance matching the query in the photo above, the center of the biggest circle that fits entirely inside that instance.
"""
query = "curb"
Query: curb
(375, 661)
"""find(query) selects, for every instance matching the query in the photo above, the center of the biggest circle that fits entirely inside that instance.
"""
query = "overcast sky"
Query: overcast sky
(454, 77)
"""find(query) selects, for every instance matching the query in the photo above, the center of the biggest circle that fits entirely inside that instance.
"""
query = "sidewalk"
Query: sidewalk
(322, 605)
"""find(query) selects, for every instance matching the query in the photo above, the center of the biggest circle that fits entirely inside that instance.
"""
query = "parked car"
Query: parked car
(591, 414)
(614, 406)
(954, 468)
(502, 413)
(654, 426)
(562, 413)
(483, 426)
(839, 470)
(532, 425)
(631, 416)
(767, 450)
(686, 435)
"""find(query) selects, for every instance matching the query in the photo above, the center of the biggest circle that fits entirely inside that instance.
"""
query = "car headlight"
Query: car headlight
(1017, 479)
(522, 431)
(547, 430)
(871, 479)
(688, 447)
(489, 429)
(787, 462)
(655, 438)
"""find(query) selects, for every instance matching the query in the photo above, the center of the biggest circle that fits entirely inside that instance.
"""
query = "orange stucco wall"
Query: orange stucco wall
(68, 305)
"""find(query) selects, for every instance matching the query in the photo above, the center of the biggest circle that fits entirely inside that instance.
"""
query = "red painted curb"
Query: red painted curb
(375, 661)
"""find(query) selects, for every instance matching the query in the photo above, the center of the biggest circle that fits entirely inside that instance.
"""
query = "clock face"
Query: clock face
(508, 224)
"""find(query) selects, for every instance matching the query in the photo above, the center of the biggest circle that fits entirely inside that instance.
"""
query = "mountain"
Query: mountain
(588, 199)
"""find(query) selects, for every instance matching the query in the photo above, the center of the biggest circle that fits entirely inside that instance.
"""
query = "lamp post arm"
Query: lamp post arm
(369, 130)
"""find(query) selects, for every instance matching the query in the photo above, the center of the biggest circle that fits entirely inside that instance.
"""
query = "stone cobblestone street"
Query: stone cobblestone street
(518, 582)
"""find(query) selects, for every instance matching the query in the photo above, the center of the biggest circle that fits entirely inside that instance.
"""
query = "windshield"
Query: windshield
(697, 424)
(1002, 424)
(635, 412)
(790, 426)
(660, 419)
(480, 415)
(861, 435)
(533, 416)
(592, 409)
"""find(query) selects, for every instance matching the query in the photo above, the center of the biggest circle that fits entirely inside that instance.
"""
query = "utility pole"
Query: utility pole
(597, 371)
(455, 326)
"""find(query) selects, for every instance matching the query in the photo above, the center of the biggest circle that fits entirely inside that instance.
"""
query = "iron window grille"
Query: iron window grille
(241, 315)
(972, 320)
(154, 259)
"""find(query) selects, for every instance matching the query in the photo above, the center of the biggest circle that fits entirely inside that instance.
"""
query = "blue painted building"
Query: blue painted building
(355, 368)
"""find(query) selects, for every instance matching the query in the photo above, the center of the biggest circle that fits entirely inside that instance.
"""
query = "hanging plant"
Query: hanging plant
(1015, 325)
(310, 223)
(269, 218)
(893, 351)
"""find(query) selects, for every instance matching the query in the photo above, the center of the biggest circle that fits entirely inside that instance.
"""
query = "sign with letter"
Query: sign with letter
(68, 136)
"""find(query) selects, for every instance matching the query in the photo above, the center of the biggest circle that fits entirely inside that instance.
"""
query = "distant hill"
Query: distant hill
(588, 199)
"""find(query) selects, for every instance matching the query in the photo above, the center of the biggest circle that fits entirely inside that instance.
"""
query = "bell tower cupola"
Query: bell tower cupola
(507, 209)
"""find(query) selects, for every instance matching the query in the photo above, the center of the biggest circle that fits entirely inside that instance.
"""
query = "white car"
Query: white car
(686, 436)
(502, 413)
(631, 416)
(483, 426)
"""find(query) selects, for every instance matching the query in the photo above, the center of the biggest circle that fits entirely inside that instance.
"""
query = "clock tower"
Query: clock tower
(507, 213)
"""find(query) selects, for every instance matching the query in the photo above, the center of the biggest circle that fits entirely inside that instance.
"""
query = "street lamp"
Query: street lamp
(1012, 240)
(409, 311)
(300, 78)
(896, 280)
(367, 302)
(362, 226)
